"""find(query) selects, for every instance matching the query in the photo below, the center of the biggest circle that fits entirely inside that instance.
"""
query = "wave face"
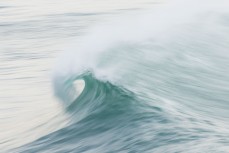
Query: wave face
(155, 82)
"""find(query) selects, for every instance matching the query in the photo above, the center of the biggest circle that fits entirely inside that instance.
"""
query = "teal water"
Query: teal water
(114, 76)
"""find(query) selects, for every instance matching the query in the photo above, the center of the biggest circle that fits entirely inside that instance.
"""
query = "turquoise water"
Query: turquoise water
(114, 76)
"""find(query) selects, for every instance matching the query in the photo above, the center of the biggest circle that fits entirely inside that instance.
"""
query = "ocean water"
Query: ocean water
(105, 76)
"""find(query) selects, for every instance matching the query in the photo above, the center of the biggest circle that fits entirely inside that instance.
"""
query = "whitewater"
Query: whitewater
(135, 77)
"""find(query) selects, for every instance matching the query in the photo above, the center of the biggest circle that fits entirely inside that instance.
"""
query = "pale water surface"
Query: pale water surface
(156, 76)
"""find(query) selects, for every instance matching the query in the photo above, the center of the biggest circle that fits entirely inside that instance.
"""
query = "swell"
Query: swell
(176, 71)
(104, 117)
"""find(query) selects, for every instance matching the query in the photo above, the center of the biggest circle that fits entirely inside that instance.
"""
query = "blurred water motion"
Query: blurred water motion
(114, 76)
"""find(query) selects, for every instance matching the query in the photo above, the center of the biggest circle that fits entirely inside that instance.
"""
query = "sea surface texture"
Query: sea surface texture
(114, 76)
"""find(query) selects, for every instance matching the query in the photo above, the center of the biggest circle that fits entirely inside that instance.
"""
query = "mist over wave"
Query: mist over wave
(190, 35)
